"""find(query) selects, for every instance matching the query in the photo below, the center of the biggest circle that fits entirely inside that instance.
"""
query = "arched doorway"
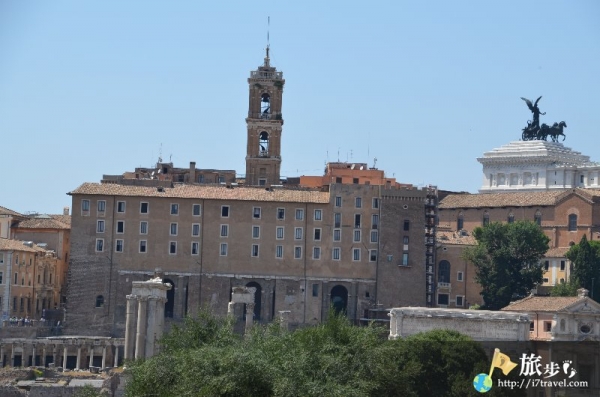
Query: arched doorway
(339, 299)
(170, 303)
(257, 300)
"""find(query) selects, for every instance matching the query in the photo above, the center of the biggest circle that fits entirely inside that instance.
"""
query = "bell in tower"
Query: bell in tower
(264, 125)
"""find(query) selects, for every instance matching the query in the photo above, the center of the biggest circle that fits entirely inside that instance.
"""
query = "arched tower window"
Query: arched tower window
(573, 222)
(265, 106)
(460, 221)
(444, 272)
(538, 217)
(486, 218)
(263, 143)
(511, 217)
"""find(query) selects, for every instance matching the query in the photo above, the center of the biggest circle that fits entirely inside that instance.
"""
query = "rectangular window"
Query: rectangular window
(318, 215)
(355, 254)
(298, 233)
(120, 227)
(1, 257)
(355, 181)
(546, 265)
(315, 290)
(195, 229)
(223, 249)
(1, 278)
(16, 279)
(374, 221)
(531, 326)
(195, 209)
(405, 240)
(99, 245)
(279, 251)
(375, 202)
(121, 206)
(317, 234)
(100, 227)
(144, 208)
(459, 276)
(224, 230)
(372, 255)
(335, 254)
(358, 202)
(297, 252)
(195, 248)
(255, 250)
(459, 301)
(338, 201)
(101, 205)
(143, 227)
(374, 236)
(279, 234)
(562, 265)
(406, 225)
(85, 205)
(143, 246)
(405, 259)
(119, 246)
(256, 212)
(255, 231)
(281, 213)
(337, 234)
(225, 211)
(173, 229)
(172, 247)
(548, 326)
(15, 304)
(316, 252)
(357, 236)
(337, 219)
(357, 220)
(299, 214)
(174, 209)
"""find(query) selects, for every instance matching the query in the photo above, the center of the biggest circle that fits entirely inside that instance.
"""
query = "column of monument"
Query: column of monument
(150, 326)
(140, 341)
(129, 328)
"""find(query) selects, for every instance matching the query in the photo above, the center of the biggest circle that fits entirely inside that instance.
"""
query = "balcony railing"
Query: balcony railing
(257, 74)
(443, 285)
(265, 116)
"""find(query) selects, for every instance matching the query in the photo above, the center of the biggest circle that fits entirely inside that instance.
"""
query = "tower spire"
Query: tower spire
(267, 59)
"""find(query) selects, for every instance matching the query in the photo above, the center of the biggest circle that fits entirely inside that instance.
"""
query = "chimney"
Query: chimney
(66, 211)
(582, 293)
(192, 172)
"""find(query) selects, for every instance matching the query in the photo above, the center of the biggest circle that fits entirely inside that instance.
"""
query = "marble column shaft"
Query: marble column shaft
(65, 358)
(129, 329)
(140, 342)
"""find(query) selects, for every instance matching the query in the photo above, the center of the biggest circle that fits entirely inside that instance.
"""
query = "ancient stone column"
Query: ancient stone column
(140, 341)
(230, 308)
(1, 356)
(55, 355)
(12, 355)
(104, 356)
(129, 329)
(43, 361)
(284, 319)
(33, 355)
(160, 322)
(249, 316)
(78, 364)
(91, 357)
(116, 356)
(65, 358)
(151, 324)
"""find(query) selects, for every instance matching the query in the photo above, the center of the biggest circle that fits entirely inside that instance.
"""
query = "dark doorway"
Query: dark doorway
(49, 360)
(339, 299)
(71, 362)
(18, 361)
(170, 303)
(257, 300)
(97, 361)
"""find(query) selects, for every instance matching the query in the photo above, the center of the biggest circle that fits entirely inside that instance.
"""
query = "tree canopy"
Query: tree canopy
(507, 260)
(586, 266)
(205, 358)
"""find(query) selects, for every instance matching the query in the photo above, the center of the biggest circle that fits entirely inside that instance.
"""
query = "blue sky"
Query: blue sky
(93, 88)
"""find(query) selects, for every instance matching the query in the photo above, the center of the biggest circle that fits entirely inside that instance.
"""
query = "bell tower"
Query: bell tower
(264, 124)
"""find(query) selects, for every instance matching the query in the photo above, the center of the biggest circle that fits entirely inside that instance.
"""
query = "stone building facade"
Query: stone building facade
(303, 250)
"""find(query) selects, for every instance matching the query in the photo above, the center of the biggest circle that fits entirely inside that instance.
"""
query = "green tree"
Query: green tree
(507, 260)
(330, 359)
(586, 265)
(568, 288)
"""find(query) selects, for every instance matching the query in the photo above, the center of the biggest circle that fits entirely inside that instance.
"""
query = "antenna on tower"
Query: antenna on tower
(268, 39)
(160, 154)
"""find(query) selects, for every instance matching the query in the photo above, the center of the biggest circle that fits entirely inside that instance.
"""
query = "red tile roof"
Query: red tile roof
(491, 200)
(6, 211)
(46, 222)
(542, 303)
(17, 245)
(206, 192)
(558, 252)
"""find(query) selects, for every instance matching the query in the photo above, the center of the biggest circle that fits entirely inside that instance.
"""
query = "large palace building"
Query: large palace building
(351, 240)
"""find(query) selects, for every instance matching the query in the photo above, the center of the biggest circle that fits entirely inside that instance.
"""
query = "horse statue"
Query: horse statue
(557, 130)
